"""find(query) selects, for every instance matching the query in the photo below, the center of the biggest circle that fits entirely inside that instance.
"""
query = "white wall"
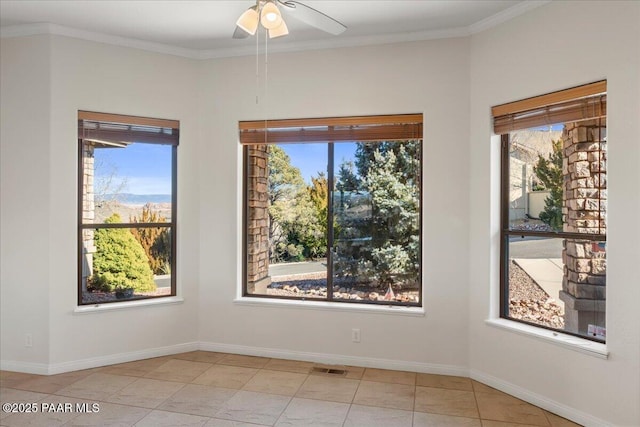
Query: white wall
(560, 45)
(423, 77)
(24, 210)
(50, 79)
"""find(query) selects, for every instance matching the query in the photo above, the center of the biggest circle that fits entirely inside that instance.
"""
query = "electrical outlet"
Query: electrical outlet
(28, 340)
(355, 335)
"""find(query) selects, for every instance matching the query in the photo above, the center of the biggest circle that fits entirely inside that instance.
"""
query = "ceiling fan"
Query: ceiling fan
(267, 13)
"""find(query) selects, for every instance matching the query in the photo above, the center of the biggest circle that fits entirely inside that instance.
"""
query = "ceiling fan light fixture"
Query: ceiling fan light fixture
(270, 16)
(282, 30)
(248, 21)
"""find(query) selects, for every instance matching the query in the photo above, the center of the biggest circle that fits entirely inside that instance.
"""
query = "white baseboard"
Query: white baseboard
(95, 362)
(543, 402)
(336, 359)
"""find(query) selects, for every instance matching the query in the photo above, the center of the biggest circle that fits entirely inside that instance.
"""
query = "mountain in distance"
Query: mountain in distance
(137, 199)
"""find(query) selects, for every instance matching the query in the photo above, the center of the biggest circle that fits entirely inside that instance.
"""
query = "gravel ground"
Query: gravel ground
(309, 286)
(528, 302)
(98, 297)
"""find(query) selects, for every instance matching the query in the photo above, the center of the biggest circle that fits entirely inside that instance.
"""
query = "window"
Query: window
(554, 210)
(332, 209)
(126, 207)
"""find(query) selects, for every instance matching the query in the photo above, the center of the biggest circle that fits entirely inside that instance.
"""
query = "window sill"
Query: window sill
(574, 343)
(85, 309)
(332, 306)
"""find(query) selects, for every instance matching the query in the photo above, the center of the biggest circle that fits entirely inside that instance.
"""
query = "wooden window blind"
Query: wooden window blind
(332, 129)
(575, 104)
(117, 129)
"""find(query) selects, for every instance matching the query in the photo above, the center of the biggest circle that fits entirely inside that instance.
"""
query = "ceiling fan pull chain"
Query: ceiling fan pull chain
(266, 84)
(257, 67)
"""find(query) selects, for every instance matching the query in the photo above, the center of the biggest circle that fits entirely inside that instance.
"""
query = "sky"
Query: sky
(558, 126)
(145, 169)
(312, 158)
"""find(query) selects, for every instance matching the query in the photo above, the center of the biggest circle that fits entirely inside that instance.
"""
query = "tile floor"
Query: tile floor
(223, 390)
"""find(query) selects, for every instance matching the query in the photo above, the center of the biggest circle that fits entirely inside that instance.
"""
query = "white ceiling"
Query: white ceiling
(204, 28)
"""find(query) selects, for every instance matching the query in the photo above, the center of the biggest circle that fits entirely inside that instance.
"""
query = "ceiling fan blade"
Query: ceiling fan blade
(311, 16)
(239, 33)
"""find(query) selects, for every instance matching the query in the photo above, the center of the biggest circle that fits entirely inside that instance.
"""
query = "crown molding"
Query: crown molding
(333, 43)
(60, 30)
(336, 43)
(506, 15)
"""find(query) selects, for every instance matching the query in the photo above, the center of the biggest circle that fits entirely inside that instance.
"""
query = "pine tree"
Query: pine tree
(549, 171)
(396, 213)
(390, 178)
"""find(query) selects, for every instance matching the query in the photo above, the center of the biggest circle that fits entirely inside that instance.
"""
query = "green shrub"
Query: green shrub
(120, 261)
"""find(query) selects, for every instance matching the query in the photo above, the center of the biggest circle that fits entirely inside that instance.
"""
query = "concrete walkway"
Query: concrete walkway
(546, 272)
(305, 267)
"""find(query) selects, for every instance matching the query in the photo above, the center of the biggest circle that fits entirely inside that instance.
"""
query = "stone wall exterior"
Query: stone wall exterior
(88, 212)
(257, 219)
(584, 211)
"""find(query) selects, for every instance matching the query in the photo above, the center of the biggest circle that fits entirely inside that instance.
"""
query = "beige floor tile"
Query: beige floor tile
(145, 392)
(171, 419)
(422, 419)
(396, 396)
(96, 386)
(502, 407)
(211, 397)
(289, 366)
(558, 421)
(52, 383)
(388, 376)
(52, 411)
(139, 368)
(446, 402)
(370, 416)
(251, 407)
(327, 388)
(226, 376)
(10, 379)
(444, 381)
(201, 356)
(37, 419)
(9, 395)
(491, 423)
(483, 388)
(179, 370)
(12, 395)
(216, 422)
(111, 415)
(305, 412)
(354, 372)
(275, 382)
(245, 361)
(11, 374)
(198, 399)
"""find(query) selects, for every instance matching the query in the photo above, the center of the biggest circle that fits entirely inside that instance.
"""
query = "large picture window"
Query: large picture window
(126, 207)
(332, 209)
(554, 210)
